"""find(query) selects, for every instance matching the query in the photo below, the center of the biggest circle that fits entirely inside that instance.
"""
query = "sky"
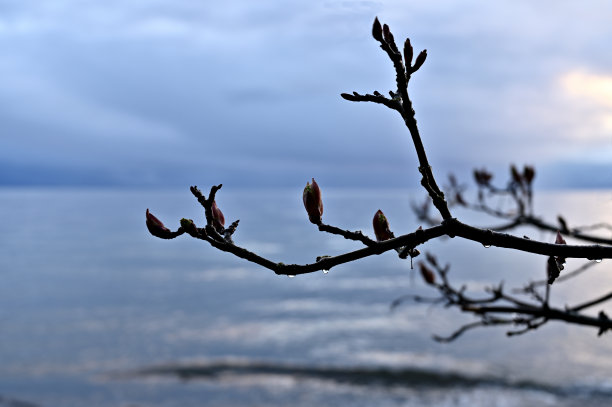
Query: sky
(152, 93)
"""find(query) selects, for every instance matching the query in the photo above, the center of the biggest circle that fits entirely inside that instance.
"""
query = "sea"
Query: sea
(96, 312)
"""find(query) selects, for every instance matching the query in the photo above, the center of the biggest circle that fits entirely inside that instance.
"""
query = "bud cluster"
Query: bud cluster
(525, 179)
(482, 177)
(382, 34)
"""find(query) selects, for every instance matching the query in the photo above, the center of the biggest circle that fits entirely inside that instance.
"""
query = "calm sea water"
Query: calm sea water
(96, 312)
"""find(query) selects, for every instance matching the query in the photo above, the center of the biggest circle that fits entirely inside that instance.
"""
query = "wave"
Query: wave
(361, 376)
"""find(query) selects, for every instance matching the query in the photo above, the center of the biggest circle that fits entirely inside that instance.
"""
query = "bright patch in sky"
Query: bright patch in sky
(594, 93)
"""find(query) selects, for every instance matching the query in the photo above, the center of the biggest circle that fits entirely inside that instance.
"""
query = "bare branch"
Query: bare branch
(495, 307)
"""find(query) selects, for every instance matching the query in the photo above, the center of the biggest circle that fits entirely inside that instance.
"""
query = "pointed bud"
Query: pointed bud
(386, 33)
(313, 202)
(408, 54)
(420, 60)
(377, 30)
(559, 239)
(428, 275)
(218, 220)
(381, 227)
(156, 227)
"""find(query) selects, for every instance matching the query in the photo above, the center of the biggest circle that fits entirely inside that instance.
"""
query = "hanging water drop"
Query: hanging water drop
(325, 271)
(597, 260)
(291, 275)
(486, 246)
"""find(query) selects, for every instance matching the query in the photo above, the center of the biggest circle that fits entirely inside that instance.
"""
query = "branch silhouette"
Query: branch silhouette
(490, 309)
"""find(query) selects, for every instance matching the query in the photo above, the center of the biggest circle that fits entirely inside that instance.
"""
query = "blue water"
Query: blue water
(94, 311)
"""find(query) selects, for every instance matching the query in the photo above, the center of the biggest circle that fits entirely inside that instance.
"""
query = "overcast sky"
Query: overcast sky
(242, 92)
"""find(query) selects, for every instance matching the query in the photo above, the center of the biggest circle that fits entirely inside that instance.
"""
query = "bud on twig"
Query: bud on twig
(516, 176)
(408, 54)
(482, 177)
(428, 275)
(528, 174)
(381, 227)
(563, 224)
(313, 202)
(560, 239)
(420, 60)
(560, 260)
(218, 220)
(552, 269)
(386, 34)
(156, 227)
(189, 226)
(377, 30)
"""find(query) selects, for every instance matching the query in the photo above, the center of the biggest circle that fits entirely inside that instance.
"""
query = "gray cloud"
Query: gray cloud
(156, 92)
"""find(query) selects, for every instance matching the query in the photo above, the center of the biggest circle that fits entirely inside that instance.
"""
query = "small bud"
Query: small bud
(386, 33)
(563, 224)
(381, 227)
(420, 60)
(189, 227)
(377, 30)
(482, 177)
(560, 260)
(408, 54)
(516, 176)
(313, 202)
(156, 227)
(559, 239)
(459, 199)
(552, 269)
(428, 275)
(431, 259)
(605, 319)
(528, 174)
(218, 220)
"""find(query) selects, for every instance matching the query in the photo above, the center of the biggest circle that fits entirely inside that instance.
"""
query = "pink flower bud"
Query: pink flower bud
(313, 202)
(559, 239)
(381, 227)
(156, 227)
(217, 217)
